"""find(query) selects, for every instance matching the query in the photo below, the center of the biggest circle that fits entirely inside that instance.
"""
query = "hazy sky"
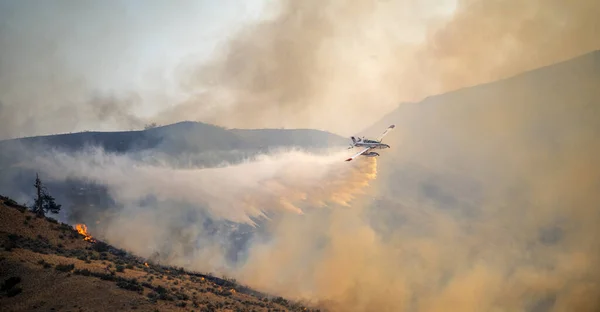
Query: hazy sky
(77, 65)
(67, 50)
(119, 44)
(332, 65)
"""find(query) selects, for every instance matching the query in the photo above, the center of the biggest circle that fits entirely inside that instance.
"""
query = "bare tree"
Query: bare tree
(43, 202)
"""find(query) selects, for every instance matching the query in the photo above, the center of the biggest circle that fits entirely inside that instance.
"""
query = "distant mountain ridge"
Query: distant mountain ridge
(572, 82)
(181, 137)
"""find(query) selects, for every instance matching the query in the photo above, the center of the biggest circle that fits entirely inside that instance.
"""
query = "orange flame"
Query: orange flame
(82, 229)
(146, 264)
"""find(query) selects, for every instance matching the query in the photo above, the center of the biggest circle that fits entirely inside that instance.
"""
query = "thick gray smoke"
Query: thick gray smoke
(311, 64)
(332, 65)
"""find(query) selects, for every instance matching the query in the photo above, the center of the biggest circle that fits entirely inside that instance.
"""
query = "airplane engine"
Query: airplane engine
(371, 154)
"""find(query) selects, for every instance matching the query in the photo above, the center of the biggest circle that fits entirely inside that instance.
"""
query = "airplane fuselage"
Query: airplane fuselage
(372, 145)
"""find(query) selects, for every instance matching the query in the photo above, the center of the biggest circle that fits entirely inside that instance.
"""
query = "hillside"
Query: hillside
(181, 137)
(543, 94)
(502, 181)
(548, 113)
(501, 137)
(47, 265)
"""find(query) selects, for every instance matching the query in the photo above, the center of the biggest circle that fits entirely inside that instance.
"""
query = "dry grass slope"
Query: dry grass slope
(47, 265)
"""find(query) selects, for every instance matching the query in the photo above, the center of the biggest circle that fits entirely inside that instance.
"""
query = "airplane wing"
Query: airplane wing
(358, 154)
(386, 132)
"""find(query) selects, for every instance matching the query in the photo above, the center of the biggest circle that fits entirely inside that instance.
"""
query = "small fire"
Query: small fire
(82, 229)
(146, 264)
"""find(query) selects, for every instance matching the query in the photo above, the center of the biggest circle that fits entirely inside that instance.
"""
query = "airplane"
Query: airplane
(369, 145)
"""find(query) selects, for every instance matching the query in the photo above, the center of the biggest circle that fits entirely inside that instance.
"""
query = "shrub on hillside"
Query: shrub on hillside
(9, 286)
(10, 283)
(101, 247)
(84, 272)
(130, 285)
(65, 267)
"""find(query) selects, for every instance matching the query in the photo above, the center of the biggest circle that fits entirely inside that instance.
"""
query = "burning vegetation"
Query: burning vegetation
(82, 229)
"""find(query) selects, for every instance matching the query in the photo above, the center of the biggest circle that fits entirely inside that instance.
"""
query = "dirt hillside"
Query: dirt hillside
(46, 265)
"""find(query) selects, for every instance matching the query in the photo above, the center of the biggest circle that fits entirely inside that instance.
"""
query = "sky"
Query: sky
(62, 53)
(339, 66)
(89, 65)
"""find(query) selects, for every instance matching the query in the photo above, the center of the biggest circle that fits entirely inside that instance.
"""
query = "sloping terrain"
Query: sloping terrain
(545, 104)
(496, 186)
(529, 124)
(50, 266)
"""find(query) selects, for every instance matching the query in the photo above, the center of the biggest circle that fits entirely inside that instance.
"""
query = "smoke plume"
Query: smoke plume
(169, 216)
(332, 65)
(310, 64)
(488, 203)
(275, 182)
